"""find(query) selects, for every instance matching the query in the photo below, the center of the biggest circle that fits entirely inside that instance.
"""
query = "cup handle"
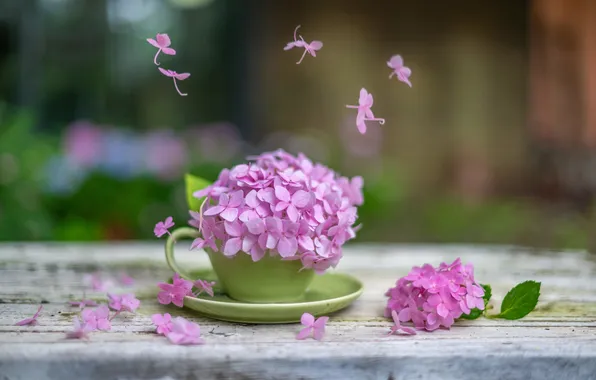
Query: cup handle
(177, 234)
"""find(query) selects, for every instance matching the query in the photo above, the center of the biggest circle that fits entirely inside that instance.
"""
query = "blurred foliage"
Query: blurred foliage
(103, 207)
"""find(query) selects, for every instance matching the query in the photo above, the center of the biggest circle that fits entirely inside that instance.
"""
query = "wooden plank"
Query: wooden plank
(558, 339)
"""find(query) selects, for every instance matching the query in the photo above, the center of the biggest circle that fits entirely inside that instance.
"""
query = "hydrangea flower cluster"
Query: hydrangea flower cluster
(282, 204)
(434, 297)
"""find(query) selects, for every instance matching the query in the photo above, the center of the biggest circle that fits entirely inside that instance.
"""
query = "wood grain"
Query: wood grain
(557, 340)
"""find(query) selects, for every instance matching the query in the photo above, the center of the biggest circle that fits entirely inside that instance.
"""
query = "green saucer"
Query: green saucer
(327, 293)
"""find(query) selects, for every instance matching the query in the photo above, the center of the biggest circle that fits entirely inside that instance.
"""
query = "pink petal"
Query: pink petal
(257, 253)
(251, 199)
(304, 333)
(165, 72)
(306, 242)
(214, 210)
(442, 310)
(233, 228)
(163, 40)
(255, 226)
(363, 96)
(282, 194)
(164, 298)
(229, 214)
(292, 213)
(307, 319)
(153, 42)
(271, 241)
(301, 198)
(248, 242)
(287, 246)
(232, 246)
(290, 45)
(157, 319)
(182, 76)
(321, 322)
(361, 127)
(236, 199)
(316, 45)
(169, 51)
(395, 61)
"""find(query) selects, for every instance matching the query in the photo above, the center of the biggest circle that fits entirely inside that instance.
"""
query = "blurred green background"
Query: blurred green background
(94, 141)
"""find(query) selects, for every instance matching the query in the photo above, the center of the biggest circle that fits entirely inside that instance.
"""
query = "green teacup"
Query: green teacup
(269, 280)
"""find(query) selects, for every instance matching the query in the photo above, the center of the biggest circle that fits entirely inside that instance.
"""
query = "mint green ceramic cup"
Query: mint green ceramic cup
(269, 280)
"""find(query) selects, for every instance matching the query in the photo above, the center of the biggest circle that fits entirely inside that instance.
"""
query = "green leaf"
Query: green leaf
(520, 300)
(194, 183)
(475, 313)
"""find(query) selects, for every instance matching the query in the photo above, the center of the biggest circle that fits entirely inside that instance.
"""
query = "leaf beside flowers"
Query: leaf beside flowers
(520, 300)
(193, 184)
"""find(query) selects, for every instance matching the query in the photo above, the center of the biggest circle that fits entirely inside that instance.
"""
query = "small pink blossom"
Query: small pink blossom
(163, 323)
(123, 302)
(204, 286)
(175, 75)
(30, 321)
(316, 327)
(184, 332)
(162, 41)
(97, 319)
(79, 331)
(365, 113)
(402, 72)
(96, 283)
(161, 228)
(310, 48)
(126, 280)
(174, 292)
(397, 327)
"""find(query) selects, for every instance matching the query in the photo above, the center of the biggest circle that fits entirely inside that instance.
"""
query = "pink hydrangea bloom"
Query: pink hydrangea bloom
(30, 321)
(97, 319)
(397, 327)
(184, 332)
(161, 228)
(79, 330)
(365, 103)
(435, 297)
(174, 292)
(204, 286)
(402, 72)
(162, 42)
(310, 48)
(163, 323)
(316, 327)
(174, 75)
(123, 302)
(282, 204)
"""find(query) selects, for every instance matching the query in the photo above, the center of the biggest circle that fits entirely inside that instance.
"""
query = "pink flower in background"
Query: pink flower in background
(365, 113)
(204, 286)
(175, 75)
(397, 327)
(30, 321)
(402, 72)
(308, 48)
(97, 319)
(79, 331)
(167, 155)
(96, 283)
(163, 323)
(184, 332)
(123, 302)
(314, 327)
(218, 142)
(435, 297)
(82, 143)
(161, 228)
(174, 292)
(126, 280)
(162, 42)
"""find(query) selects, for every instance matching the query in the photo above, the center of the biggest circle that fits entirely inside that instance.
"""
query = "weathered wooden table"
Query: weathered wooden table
(556, 341)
